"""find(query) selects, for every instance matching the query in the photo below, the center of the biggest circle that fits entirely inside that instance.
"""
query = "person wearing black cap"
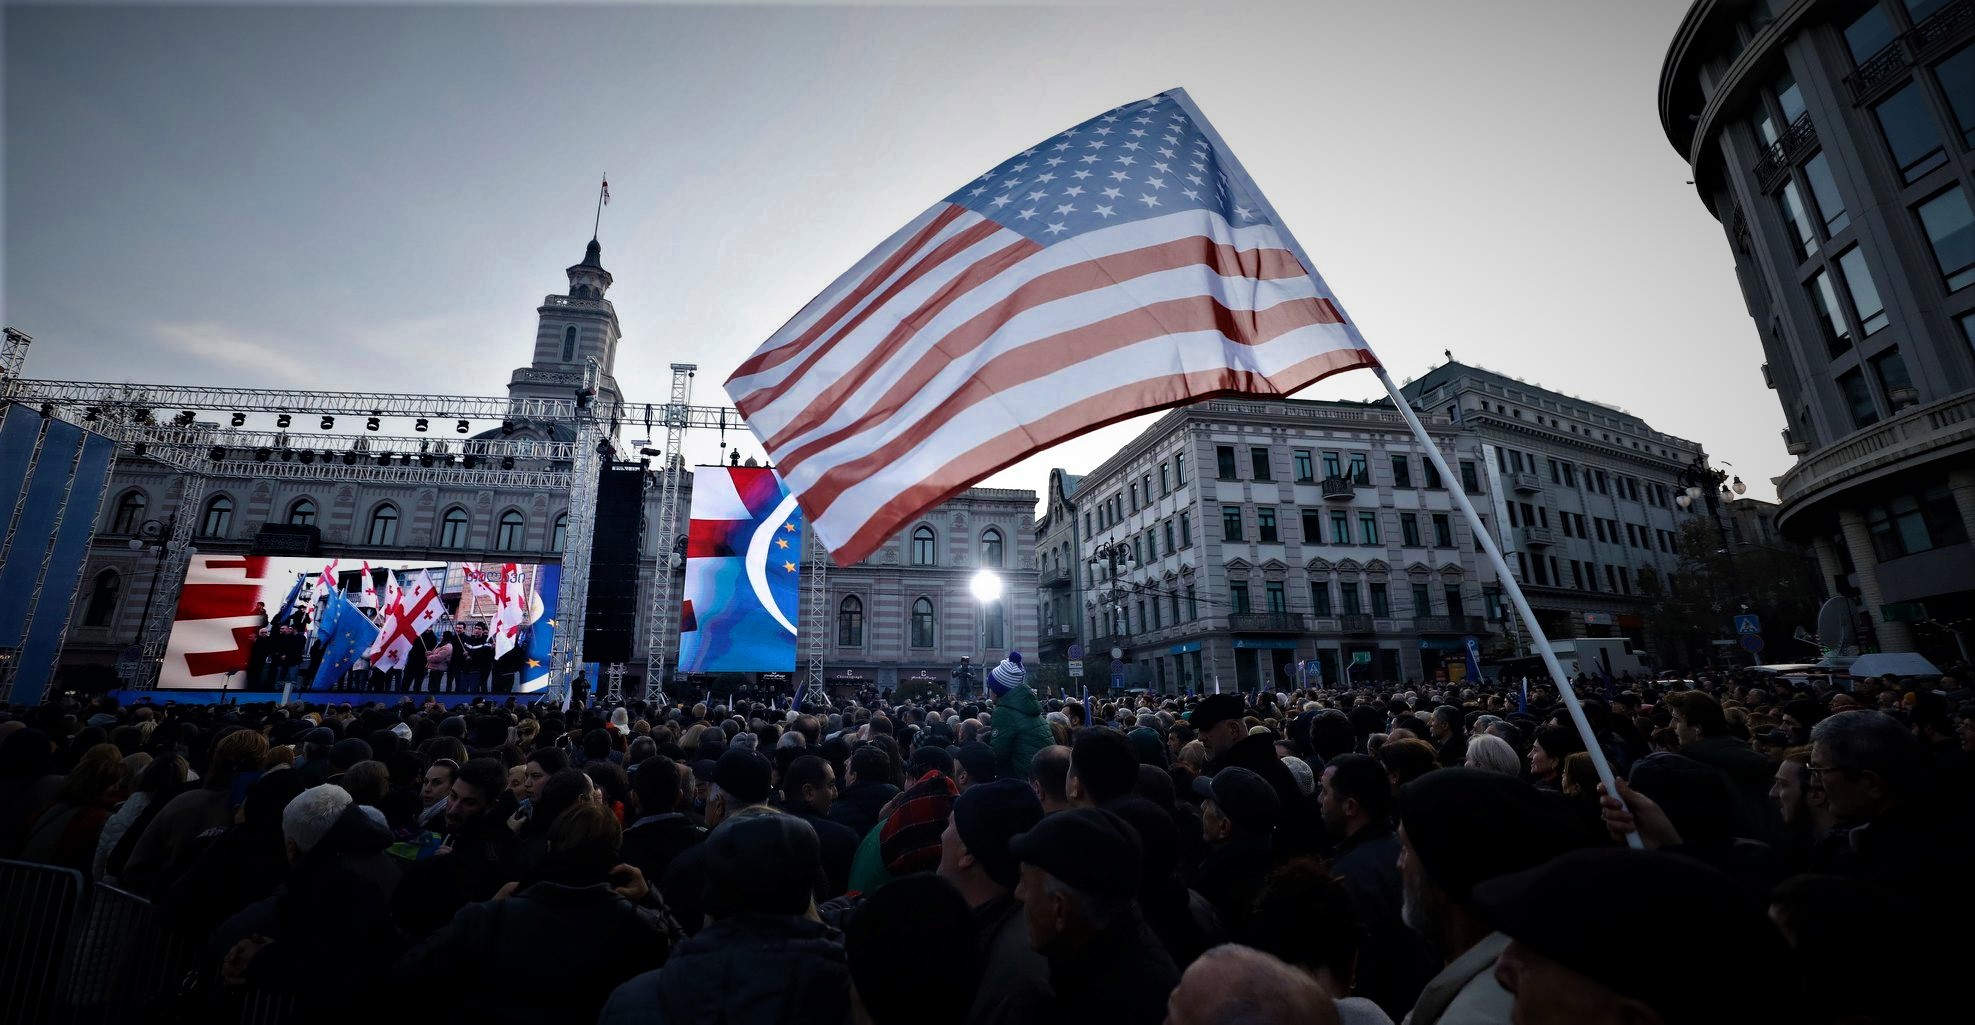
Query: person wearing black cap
(974, 857)
(1103, 768)
(741, 779)
(1079, 882)
(1218, 718)
(759, 958)
(1238, 814)
(1590, 941)
(973, 764)
(314, 761)
(1457, 829)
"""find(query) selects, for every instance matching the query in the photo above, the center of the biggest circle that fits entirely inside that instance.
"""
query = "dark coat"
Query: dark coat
(238, 867)
(1297, 832)
(465, 971)
(333, 909)
(1232, 874)
(746, 970)
(651, 846)
(1750, 776)
(857, 806)
(837, 843)
(1394, 964)
(1121, 976)
(1014, 987)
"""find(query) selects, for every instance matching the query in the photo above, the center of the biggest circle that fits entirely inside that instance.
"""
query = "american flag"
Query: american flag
(1122, 266)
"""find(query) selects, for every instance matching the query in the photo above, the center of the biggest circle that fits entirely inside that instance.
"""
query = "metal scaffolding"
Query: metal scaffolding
(817, 622)
(591, 446)
(659, 621)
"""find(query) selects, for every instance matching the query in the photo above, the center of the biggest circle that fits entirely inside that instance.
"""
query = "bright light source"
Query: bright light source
(985, 585)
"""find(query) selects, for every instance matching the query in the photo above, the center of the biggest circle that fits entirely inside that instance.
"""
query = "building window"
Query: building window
(1224, 461)
(1333, 465)
(994, 625)
(508, 532)
(1837, 336)
(218, 518)
(1353, 604)
(1368, 528)
(569, 344)
(559, 533)
(1169, 537)
(1258, 459)
(1443, 531)
(1869, 33)
(1402, 472)
(1858, 399)
(991, 554)
(1138, 550)
(1470, 482)
(1174, 599)
(1186, 530)
(1422, 601)
(1320, 597)
(1409, 529)
(922, 623)
(103, 599)
(922, 546)
(1792, 203)
(1306, 469)
(1134, 491)
(302, 513)
(1179, 469)
(850, 623)
(1165, 476)
(1910, 132)
(1313, 527)
(1273, 595)
(1824, 190)
(1238, 593)
(383, 526)
(1152, 623)
(1915, 523)
(129, 514)
(1265, 525)
(1454, 605)
(1230, 523)
(1890, 368)
(452, 528)
(1381, 604)
(1340, 528)
(1192, 604)
(1957, 78)
(1430, 472)
(1950, 228)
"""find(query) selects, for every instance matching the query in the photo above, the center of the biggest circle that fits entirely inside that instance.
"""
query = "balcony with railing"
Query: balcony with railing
(1535, 537)
(1450, 625)
(1525, 483)
(1777, 158)
(1269, 622)
(1054, 576)
(1356, 623)
(1879, 72)
(1059, 632)
(1340, 489)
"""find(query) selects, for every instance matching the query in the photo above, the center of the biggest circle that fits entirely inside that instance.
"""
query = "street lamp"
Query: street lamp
(1113, 555)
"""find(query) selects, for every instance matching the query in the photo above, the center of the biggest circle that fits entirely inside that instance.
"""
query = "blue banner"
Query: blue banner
(1472, 646)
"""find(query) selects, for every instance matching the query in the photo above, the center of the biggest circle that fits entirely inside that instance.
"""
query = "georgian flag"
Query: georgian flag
(414, 611)
(511, 613)
(369, 588)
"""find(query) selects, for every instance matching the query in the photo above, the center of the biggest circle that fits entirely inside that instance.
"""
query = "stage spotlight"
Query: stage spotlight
(422, 425)
(460, 427)
(239, 419)
(384, 459)
(262, 455)
(89, 415)
(139, 448)
(349, 459)
(218, 454)
(507, 462)
(371, 424)
(287, 455)
(283, 421)
(507, 427)
(468, 461)
(47, 410)
(307, 457)
(424, 460)
(328, 423)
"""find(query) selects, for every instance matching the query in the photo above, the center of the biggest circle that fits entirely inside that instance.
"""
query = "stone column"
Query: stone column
(1962, 484)
(1865, 561)
(1828, 562)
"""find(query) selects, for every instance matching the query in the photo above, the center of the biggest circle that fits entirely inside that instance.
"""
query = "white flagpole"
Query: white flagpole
(1240, 177)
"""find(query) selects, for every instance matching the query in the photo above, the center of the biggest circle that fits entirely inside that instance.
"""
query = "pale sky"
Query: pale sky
(379, 196)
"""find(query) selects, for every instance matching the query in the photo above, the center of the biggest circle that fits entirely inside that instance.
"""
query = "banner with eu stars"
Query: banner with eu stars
(743, 572)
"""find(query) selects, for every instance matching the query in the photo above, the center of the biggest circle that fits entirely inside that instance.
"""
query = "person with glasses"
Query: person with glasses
(1876, 785)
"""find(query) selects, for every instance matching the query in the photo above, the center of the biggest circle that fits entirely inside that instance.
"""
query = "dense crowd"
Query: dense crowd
(1439, 854)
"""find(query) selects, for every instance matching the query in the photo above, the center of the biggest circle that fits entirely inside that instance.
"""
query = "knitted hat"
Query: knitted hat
(1008, 675)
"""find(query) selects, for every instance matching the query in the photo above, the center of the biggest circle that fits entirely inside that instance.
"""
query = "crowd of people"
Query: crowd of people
(1441, 855)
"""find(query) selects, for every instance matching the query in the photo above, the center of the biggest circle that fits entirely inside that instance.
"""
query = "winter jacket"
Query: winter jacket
(651, 844)
(1233, 873)
(1121, 976)
(1296, 829)
(332, 910)
(65, 835)
(746, 970)
(1014, 987)
(166, 839)
(837, 844)
(1019, 732)
(1465, 992)
(859, 805)
(1394, 964)
(1749, 776)
(113, 831)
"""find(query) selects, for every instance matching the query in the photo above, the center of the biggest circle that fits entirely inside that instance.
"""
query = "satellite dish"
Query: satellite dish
(1834, 624)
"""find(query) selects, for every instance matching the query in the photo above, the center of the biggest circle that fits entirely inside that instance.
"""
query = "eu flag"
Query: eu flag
(346, 633)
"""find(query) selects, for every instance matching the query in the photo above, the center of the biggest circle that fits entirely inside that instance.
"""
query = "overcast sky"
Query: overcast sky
(380, 196)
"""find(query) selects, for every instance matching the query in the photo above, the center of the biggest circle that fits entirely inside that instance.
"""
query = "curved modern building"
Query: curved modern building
(1835, 143)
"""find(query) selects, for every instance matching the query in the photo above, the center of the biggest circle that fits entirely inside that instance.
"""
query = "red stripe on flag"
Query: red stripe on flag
(217, 601)
(1038, 359)
(1074, 420)
(714, 539)
(770, 358)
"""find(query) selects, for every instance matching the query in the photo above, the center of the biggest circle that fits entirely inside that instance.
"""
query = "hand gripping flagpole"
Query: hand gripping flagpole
(1433, 454)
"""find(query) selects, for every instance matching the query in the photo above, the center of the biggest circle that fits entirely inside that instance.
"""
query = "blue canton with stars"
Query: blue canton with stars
(1141, 160)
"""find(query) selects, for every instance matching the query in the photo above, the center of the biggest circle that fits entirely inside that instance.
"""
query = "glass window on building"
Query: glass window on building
(1179, 469)
(1824, 298)
(1911, 134)
(1431, 473)
(1169, 537)
(1368, 528)
(1265, 524)
(1950, 227)
(1224, 461)
(1165, 480)
(452, 528)
(922, 546)
(1957, 78)
(1360, 472)
(1272, 593)
(1409, 529)
(1306, 469)
(1470, 482)
(922, 623)
(1340, 528)
(1230, 523)
(1238, 593)
(1313, 527)
(1824, 189)
(1890, 368)
(1915, 523)
(1381, 602)
(1353, 604)
(1865, 295)
(1422, 601)
(1186, 530)
(1333, 465)
(1443, 531)
(1258, 458)
(1869, 33)
(1402, 472)
(1858, 398)
(1797, 219)
(1320, 597)
(850, 623)
(1454, 605)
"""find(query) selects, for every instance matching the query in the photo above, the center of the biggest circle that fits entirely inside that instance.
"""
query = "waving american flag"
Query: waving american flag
(1125, 265)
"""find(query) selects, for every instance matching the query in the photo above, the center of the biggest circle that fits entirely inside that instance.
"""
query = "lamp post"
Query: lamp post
(1112, 555)
(986, 587)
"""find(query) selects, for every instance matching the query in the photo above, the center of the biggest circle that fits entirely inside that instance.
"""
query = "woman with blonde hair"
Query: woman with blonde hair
(66, 832)
(234, 757)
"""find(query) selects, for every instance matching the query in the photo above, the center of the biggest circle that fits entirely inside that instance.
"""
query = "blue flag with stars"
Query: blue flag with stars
(346, 633)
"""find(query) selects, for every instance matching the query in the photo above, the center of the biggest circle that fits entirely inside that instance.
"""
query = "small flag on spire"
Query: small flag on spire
(606, 191)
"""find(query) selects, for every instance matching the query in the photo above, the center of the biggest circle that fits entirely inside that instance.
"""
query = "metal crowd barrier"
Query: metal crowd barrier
(75, 954)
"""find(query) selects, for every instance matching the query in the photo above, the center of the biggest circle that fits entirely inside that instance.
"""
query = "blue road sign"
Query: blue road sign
(1076, 651)
(1753, 642)
(1117, 675)
(1746, 625)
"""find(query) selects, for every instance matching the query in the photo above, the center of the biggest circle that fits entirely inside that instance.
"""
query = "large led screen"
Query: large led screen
(743, 573)
(262, 623)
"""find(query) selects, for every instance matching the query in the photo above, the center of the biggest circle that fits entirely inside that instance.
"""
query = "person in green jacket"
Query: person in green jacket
(1019, 731)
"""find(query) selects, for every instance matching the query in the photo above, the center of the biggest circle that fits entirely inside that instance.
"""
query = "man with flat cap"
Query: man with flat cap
(1238, 815)
(1079, 885)
(1591, 940)
(1218, 719)
(1459, 828)
(741, 779)
(974, 857)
